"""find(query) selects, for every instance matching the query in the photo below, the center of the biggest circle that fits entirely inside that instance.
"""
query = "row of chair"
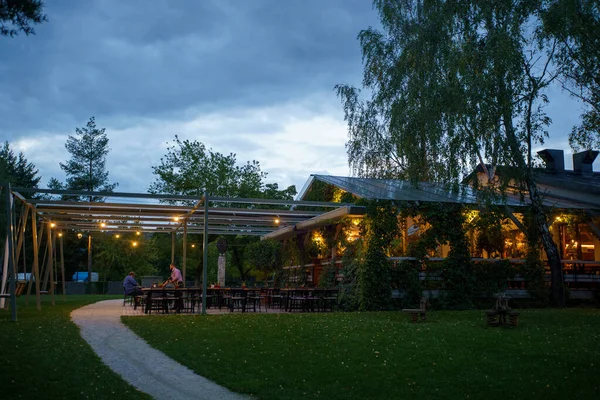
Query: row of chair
(237, 299)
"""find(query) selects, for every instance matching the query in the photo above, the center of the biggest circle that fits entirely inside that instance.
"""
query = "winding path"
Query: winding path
(144, 367)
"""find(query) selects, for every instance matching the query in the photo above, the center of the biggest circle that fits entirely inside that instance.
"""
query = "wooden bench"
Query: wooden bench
(420, 313)
(19, 289)
(497, 315)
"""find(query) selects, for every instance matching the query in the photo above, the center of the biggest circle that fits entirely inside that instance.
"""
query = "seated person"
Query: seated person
(176, 279)
(132, 288)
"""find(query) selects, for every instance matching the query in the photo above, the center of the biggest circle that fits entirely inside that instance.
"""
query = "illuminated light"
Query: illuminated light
(138, 233)
(277, 220)
(79, 235)
(175, 219)
(356, 221)
(117, 236)
(193, 245)
(134, 244)
(317, 237)
(60, 234)
(103, 225)
(52, 225)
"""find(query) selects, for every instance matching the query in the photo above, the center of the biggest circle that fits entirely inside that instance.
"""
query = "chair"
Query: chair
(127, 298)
(297, 300)
(253, 299)
(237, 300)
(329, 299)
(274, 298)
(158, 300)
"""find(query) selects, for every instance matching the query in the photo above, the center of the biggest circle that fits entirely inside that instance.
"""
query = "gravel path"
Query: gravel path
(135, 361)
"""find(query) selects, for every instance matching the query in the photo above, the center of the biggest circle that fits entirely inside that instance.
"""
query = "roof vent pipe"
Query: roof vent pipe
(554, 159)
(582, 162)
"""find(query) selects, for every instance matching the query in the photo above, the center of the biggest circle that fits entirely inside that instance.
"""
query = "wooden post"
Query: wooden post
(62, 266)
(184, 260)
(51, 263)
(89, 263)
(205, 254)
(35, 267)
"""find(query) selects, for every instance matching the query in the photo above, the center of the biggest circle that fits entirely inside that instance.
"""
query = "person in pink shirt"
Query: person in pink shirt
(175, 278)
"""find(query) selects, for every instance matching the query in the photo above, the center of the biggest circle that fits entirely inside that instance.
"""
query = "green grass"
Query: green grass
(42, 355)
(553, 354)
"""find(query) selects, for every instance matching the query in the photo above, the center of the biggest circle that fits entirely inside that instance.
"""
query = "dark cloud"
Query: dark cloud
(126, 59)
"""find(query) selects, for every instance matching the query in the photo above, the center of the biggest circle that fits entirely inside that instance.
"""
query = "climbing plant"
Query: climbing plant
(532, 270)
(445, 225)
(373, 277)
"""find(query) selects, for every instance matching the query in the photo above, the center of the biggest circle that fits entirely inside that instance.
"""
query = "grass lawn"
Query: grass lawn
(42, 355)
(553, 354)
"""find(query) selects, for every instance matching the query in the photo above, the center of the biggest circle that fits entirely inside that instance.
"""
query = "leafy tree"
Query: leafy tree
(116, 256)
(453, 84)
(86, 170)
(190, 169)
(16, 169)
(264, 256)
(20, 15)
(575, 27)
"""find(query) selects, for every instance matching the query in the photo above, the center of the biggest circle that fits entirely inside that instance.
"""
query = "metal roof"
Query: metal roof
(555, 194)
(154, 213)
(390, 189)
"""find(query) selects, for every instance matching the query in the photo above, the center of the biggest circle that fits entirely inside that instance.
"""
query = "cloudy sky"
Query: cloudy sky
(250, 77)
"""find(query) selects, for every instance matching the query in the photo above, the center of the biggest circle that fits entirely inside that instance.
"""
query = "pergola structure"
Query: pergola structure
(63, 210)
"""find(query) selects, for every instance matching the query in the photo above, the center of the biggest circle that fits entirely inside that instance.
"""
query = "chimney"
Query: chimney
(582, 162)
(554, 159)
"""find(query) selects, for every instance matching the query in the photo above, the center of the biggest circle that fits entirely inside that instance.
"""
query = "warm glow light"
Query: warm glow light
(356, 221)
(103, 225)
(134, 244)
(79, 235)
(138, 233)
(175, 219)
(60, 234)
(52, 225)
(317, 237)
(193, 245)
(277, 220)
(117, 236)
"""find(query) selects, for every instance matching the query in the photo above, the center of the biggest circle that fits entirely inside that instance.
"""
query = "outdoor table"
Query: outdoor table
(163, 296)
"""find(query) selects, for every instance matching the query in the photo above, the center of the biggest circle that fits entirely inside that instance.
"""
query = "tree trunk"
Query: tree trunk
(539, 215)
(556, 273)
